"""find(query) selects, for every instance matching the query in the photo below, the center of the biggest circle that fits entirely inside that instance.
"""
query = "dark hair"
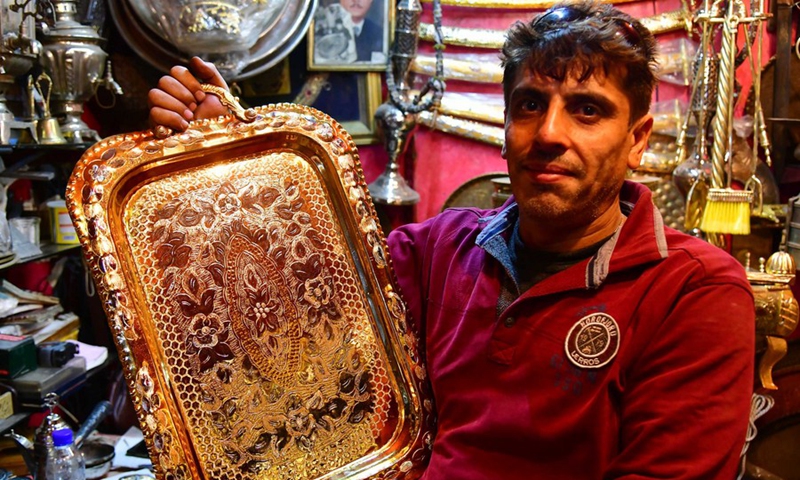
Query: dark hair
(588, 37)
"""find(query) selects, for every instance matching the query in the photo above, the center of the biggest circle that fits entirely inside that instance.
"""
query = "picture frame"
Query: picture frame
(349, 97)
(351, 35)
(352, 98)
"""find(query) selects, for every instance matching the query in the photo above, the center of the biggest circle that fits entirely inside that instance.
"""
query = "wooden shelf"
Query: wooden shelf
(12, 421)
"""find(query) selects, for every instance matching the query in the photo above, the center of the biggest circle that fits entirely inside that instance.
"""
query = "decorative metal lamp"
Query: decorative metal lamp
(75, 60)
(397, 116)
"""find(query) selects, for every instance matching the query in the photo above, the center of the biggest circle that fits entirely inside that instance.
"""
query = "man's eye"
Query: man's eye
(589, 111)
(530, 105)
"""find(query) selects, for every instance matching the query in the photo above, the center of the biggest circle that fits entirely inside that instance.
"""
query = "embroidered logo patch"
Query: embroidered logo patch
(593, 341)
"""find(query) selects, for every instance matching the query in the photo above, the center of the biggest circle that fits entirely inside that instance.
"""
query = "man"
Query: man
(343, 33)
(568, 334)
(368, 34)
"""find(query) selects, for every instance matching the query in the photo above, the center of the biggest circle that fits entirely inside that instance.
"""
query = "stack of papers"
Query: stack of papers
(28, 311)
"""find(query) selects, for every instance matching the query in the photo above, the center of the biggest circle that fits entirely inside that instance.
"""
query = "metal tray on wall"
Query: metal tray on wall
(250, 294)
(272, 46)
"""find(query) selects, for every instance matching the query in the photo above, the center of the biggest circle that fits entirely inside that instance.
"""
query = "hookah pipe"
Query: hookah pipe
(396, 117)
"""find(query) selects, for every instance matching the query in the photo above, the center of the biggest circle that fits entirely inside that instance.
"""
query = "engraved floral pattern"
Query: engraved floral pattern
(261, 303)
(316, 291)
(207, 339)
(174, 252)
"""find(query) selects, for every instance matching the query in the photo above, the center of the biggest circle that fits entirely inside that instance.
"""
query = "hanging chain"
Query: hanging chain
(435, 85)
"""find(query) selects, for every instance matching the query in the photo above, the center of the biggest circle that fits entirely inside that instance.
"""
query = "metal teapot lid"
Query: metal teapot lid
(67, 27)
(51, 422)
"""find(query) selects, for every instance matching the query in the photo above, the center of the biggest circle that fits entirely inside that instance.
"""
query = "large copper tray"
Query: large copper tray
(249, 291)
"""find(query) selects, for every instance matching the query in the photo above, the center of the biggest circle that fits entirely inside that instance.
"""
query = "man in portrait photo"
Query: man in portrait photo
(368, 34)
(347, 32)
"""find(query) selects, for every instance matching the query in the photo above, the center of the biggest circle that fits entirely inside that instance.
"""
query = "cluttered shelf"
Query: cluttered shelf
(44, 147)
(47, 250)
(39, 351)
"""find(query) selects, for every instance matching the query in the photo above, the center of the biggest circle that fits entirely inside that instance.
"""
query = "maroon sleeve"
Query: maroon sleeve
(407, 249)
(686, 402)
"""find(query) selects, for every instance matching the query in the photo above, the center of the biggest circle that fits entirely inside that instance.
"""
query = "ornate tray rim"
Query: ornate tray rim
(88, 195)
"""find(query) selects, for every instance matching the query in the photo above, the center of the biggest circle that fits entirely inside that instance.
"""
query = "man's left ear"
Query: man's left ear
(641, 135)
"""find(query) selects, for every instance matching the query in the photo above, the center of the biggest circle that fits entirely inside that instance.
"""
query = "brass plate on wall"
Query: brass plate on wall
(275, 44)
(248, 287)
(476, 192)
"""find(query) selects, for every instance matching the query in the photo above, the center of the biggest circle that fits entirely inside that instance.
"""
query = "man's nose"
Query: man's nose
(554, 128)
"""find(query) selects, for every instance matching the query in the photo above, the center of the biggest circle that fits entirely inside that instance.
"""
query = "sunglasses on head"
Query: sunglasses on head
(569, 14)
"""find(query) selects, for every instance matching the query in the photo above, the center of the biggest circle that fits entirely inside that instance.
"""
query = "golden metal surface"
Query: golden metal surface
(231, 102)
(530, 4)
(490, 71)
(455, 69)
(777, 315)
(483, 108)
(777, 348)
(486, 38)
(776, 310)
(248, 288)
(464, 128)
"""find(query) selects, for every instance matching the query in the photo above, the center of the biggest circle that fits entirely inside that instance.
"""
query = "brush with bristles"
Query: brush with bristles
(727, 211)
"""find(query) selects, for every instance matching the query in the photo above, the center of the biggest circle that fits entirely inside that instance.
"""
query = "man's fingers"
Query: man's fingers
(168, 118)
(207, 72)
(180, 83)
(158, 97)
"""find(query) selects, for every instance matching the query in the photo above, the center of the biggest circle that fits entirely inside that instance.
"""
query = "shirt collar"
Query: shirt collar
(501, 222)
(491, 240)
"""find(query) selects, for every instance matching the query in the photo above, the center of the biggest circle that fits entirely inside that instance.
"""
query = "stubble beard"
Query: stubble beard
(552, 206)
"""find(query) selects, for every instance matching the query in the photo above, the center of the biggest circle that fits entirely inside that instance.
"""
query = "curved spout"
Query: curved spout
(25, 448)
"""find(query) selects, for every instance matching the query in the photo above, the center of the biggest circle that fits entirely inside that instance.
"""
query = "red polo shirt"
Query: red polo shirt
(636, 363)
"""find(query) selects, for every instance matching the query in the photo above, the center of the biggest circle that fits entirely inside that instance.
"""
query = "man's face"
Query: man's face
(568, 145)
(358, 8)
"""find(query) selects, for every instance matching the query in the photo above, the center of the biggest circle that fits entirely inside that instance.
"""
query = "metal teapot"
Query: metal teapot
(35, 453)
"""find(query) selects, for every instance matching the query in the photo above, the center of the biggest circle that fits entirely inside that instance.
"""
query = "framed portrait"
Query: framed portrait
(350, 35)
(351, 98)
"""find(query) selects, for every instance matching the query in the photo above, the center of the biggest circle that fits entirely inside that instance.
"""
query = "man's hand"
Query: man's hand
(178, 98)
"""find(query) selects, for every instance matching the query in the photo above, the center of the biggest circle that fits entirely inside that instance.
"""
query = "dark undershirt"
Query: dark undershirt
(533, 266)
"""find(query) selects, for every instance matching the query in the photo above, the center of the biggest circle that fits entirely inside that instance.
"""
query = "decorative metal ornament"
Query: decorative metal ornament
(473, 106)
(493, 39)
(19, 52)
(48, 129)
(249, 291)
(485, 68)
(713, 205)
(465, 128)
(777, 311)
(396, 117)
(73, 55)
(527, 4)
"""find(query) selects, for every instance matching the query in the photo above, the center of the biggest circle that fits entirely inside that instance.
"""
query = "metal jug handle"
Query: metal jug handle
(45, 85)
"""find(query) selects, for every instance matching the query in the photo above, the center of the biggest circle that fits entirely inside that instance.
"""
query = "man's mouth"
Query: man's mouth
(546, 172)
